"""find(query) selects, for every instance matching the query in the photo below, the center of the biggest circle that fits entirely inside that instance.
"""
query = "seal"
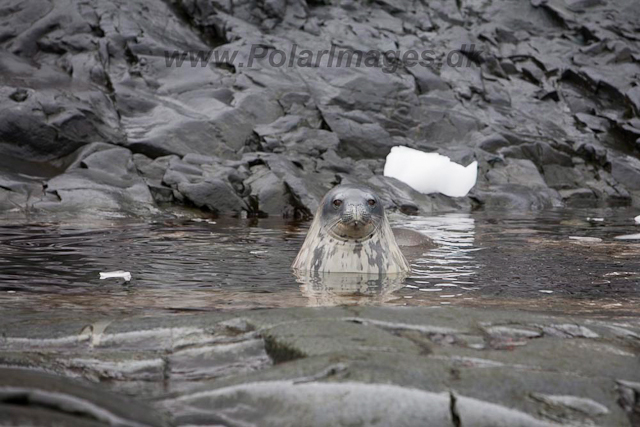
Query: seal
(350, 234)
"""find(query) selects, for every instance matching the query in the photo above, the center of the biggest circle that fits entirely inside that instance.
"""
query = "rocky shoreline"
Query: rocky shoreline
(95, 118)
(442, 366)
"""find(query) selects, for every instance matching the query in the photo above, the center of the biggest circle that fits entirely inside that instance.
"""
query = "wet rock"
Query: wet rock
(44, 116)
(539, 152)
(493, 143)
(303, 186)
(569, 331)
(516, 171)
(219, 360)
(269, 193)
(626, 170)
(629, 399)
(31, 398)
(580, 197)
(597, 124)
(149, 77)
(633, 95)
(100, 177)
(562, 177)
(516, 197)
(360, 136)
(315, 403)
(573, 403)
(214, 195)
(325, 362)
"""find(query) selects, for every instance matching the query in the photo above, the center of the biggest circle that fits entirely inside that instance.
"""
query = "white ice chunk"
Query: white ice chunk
(586, 239)
(430, 172)
(629, 237)
(637, 219)
(115, 274)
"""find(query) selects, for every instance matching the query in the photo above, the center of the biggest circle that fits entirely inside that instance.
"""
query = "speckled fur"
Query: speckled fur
(322, 252)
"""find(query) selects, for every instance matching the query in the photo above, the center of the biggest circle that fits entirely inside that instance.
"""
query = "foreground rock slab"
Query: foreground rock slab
(346, 366)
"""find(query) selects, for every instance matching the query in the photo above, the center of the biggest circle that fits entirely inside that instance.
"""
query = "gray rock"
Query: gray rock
(528, 90)
(214, 195)
(102, 177)
(55, 400)
(269, 193)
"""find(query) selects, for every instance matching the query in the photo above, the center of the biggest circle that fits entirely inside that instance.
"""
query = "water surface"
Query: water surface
(527, 261)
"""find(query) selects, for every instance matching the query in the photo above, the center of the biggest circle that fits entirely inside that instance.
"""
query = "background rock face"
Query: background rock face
(96, 113)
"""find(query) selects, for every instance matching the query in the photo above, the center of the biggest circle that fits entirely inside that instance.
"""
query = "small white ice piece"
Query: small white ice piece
(586, 239)
(629, 237)
(544, 291)
(430, 172)
(115, 274)
(637, 219)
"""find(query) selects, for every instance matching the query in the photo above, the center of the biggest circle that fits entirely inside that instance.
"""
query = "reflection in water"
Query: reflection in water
(328, 289)
(449, 268)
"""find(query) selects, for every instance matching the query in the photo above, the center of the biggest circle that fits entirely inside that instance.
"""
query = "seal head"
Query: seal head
(351, 214)
(350, 234)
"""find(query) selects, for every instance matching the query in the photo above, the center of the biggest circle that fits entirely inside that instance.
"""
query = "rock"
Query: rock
(575, 403)
(35, 398)
(102, 177)
(214, 195)
(516, 197)
(579, 197)
(629, 392)
(493, 143)
(269, 194)
(426, 80)
(594, 123)
(360, 136)
(633, 95)
(204, 82)
(516, 171)
(46, 117)
(626, 170)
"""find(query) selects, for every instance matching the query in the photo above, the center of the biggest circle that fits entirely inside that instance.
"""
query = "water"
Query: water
(525, 261)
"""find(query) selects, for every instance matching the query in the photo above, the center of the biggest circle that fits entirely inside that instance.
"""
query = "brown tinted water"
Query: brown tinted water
(523, 261)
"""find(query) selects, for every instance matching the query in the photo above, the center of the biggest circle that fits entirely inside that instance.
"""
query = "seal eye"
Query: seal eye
(337, 203)
(371, 202)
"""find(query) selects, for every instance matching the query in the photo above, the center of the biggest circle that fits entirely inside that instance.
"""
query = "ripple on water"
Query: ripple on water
(229, 264)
